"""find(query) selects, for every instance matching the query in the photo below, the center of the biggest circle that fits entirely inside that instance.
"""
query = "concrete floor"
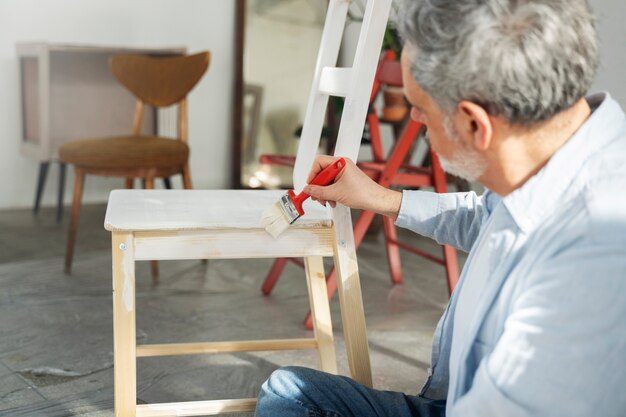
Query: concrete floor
(56, 329)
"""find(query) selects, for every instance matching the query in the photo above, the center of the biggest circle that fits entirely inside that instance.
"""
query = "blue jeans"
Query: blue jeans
(295, 391)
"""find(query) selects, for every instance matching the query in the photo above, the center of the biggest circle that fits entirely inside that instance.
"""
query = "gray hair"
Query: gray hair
(524, 60)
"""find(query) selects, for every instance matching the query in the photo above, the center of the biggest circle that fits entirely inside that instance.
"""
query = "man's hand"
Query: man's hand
(353, 188)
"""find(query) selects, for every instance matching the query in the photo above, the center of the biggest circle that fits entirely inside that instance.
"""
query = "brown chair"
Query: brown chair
(158, 82)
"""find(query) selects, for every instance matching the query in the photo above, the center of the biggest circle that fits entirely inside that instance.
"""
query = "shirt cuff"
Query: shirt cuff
(416, 208)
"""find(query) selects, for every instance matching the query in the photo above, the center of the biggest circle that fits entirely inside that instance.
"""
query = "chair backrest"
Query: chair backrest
(159, 81)
(355, 83)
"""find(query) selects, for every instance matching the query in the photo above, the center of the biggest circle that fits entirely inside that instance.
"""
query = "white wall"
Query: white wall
(195, 24)
(611, 25)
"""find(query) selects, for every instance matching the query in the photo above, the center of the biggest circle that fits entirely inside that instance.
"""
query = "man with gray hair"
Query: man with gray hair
(537, 323)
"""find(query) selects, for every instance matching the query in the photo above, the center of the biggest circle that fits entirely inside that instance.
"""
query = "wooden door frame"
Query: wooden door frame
(237, 113)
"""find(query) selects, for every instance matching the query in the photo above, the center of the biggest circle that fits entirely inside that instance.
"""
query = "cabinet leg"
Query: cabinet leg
(61, 191)
(41, 183)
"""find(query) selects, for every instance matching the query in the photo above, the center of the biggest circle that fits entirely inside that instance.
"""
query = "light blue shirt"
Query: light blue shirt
(541, 301)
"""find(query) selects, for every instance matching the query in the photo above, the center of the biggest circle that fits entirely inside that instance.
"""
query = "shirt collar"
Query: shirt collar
(538, 196)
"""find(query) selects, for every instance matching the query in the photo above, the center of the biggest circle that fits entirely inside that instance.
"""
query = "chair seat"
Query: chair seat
(145, 210)
(125, 152)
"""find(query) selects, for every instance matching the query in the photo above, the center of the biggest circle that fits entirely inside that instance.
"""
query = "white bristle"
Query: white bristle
(274, 220)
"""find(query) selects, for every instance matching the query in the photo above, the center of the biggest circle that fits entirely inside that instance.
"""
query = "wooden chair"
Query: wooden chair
(226, 224)
(390, 170)
(158, 82)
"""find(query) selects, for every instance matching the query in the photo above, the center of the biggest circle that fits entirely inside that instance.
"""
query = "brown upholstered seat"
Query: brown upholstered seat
(125, 152)
(155, 81)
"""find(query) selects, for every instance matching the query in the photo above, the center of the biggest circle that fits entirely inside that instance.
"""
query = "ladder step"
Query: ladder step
(172, 349)
(335, 81)
(196, 408)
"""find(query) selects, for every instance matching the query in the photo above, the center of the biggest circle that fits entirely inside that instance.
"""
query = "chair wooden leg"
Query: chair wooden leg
(272, 276)
(452, 266)
(148, 184)
(393, 250)
(350, 298)
(187, 178)
(79, 181)
(331, 287)
(154, 271)
(360, 228)
(320, 308)
(129, 183)
(124, 330)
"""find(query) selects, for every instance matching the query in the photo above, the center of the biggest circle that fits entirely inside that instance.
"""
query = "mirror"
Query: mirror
(281, 39)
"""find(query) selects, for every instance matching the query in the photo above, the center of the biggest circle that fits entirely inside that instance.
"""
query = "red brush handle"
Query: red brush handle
(325, 177)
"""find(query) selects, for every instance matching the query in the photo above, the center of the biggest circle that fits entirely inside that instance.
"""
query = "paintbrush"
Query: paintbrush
(277, 218)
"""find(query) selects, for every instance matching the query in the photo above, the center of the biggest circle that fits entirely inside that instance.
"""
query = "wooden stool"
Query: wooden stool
(202, 224)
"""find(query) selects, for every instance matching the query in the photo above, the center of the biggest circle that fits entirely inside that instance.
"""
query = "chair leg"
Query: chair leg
(393, 251)
(320, 308)
(129, 183)
(148, 184)
(187, 177)
(124, 326)
(350, 298)
(41, 182)
(167, 183)
(452, 266)
(360, 228)
(79, 182)
(272, 276)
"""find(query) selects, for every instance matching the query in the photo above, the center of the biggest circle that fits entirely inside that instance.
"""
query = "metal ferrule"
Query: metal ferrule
(289, 208)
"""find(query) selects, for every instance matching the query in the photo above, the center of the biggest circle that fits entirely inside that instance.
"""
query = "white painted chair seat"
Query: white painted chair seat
(143, 210)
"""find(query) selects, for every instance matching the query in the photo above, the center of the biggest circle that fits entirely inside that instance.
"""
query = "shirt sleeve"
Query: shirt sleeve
(451, 218)
(563, 346)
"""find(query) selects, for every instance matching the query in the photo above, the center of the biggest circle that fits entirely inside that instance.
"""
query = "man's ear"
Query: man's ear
(475, 123)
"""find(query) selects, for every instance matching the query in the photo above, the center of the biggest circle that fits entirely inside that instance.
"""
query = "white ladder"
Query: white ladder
(354, 83)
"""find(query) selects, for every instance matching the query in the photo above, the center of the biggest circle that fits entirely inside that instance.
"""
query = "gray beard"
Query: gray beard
(466, 162)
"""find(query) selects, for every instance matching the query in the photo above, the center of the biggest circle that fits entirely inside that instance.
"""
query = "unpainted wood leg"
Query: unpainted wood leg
(187, 177)
(148, 184)
(124, 342)
(350, 299)
(320, 310)
(79, 181)
(360, 229)
(129, 183)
